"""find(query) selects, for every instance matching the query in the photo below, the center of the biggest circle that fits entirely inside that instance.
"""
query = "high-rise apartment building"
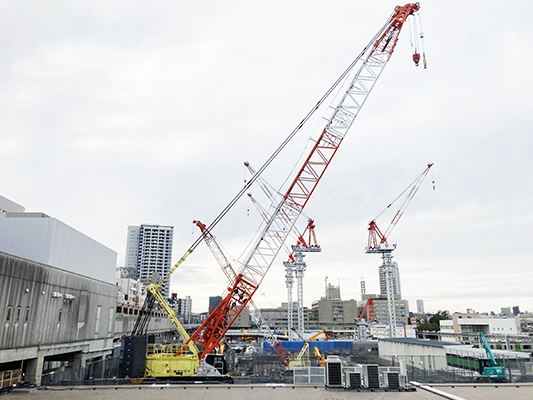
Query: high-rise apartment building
(149, 252)
(420, 306)
(395, 280)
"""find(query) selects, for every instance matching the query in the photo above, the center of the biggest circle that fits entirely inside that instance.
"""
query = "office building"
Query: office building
(149, 252)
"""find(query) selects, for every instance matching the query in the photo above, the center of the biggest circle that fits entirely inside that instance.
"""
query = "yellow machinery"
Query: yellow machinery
(319, 357)
(167, 361)
(323, 331)
(161, 362)
(302, 359)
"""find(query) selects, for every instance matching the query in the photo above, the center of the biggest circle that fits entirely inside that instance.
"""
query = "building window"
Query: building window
(59, 316)
(98, 315)
(110, 327)
(27, 315)
(8, 314)
(18, 314)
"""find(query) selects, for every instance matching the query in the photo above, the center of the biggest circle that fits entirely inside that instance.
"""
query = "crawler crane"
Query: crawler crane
(354, 86)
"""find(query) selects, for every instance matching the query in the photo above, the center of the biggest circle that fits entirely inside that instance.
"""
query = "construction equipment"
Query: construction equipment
(297, 264)
(359, 83)
(494, 372)
(302, 359)
(377, 243)
(323, 331)
(371, 312)
(274, 234)
(319, 357)
(362, 323)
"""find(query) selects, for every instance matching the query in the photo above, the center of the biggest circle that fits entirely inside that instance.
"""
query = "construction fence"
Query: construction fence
(99, 372)
(260, 368)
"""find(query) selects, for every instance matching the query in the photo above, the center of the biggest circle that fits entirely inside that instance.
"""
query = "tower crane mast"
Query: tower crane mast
(260, 258)
(297, 265)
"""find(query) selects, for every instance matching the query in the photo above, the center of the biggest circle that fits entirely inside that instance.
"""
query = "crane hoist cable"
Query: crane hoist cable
(424, 61)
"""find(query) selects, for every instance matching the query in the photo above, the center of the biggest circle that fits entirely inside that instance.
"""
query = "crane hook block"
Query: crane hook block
(416, 58)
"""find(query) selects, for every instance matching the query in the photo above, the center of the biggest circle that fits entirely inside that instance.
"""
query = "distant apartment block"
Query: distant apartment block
(395, 280)
(149, 252)
(420, 306)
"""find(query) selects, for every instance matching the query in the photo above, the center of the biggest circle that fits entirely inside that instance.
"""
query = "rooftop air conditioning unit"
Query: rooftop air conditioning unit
(333, 372)
(371, 376)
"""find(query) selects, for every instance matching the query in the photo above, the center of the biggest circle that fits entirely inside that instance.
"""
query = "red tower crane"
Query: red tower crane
(371, 311)
(377, 243)
(375, 237)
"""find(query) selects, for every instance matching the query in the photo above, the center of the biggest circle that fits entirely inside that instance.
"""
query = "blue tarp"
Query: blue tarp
(324, 346)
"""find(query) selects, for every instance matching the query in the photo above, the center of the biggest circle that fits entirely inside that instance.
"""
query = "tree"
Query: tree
(441, 315)
(427, 327)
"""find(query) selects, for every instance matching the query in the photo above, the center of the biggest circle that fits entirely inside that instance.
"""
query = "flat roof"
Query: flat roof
(518, 391)
(419, 342)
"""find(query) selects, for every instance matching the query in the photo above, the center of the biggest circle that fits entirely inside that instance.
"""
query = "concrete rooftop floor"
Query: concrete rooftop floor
(269, 392)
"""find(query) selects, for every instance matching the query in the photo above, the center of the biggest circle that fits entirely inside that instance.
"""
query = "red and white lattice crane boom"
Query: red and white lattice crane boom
(260, 258)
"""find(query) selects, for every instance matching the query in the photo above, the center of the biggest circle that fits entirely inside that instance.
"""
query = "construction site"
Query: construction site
(337, 345)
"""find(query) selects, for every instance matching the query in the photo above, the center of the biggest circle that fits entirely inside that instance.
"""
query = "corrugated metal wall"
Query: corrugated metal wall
(42, 305)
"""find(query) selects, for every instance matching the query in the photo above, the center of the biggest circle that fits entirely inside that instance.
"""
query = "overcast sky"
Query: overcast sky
(117, 113)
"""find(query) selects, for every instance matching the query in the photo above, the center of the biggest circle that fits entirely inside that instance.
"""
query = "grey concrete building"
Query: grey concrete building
(330, 314)
(36, 236)
(49, 314)
(335, 314)
(276, 318)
